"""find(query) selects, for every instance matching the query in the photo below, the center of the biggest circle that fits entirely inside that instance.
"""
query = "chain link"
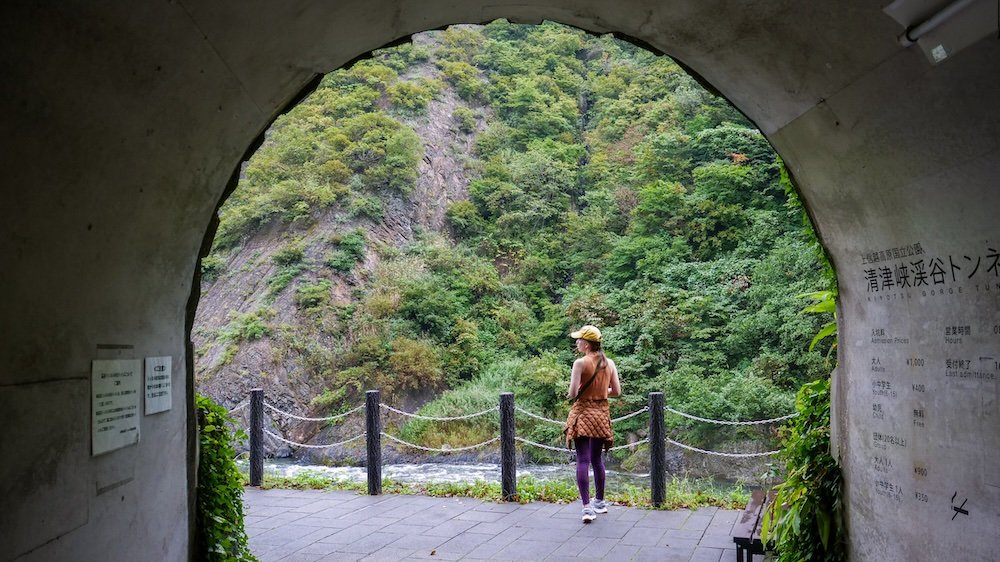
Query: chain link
(541, 446)
(626, 446)
(726, 422)
(440, 450)
(305, 446)
(632, 415)
(538, 417)
(564, 450)
(720, 454)
(437, 418)
(303, 418)
(557, 422)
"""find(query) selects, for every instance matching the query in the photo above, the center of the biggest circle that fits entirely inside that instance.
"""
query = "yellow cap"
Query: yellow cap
(589, 333)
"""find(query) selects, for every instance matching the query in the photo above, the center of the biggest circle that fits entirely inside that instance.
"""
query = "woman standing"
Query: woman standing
(588, 425)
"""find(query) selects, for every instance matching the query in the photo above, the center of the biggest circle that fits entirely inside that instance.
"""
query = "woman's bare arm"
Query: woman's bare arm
(616, 385)
(574, 379)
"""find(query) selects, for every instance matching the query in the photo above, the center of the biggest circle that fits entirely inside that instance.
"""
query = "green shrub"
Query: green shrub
(459, 43)
(403, 151)
(248, 326)
(284, 276)
(289, 254)
(465, 78)
(353, 243)
(481, 393)
(411, 98)
(328, 398)
(465, 118)
(367, 206)
(350, 250)
(400, 57)
(229, 353)
(373, 73)
(219, 532)
(415, 365)
(721, 142)
(289, 259)
(495, 137)
(211, 266)
(464, 219)
(806, 517)
(340, 261)
(313, 296)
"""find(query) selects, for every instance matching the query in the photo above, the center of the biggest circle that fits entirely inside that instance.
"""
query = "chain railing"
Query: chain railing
(309, 446)
(440, 449)
(720, 453)
(542, 446)
(530, 414)
(304, 418)
(538, 417)
(642, 410)
(240, 406)
(630, 445)
(373, 433)
(437, 418)
(728, 422)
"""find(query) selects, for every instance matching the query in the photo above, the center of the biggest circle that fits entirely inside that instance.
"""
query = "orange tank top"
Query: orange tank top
(597, 390)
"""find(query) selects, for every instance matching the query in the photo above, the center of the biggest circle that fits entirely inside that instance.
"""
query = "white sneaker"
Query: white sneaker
(588, 514)
(599, 506)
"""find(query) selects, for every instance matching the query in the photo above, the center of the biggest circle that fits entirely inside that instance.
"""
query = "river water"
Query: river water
(441, 473)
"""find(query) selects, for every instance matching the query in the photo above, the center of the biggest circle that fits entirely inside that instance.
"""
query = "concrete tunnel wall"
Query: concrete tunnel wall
(122, 128)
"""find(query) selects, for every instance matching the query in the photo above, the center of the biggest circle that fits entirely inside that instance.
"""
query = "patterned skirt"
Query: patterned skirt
(589, 418)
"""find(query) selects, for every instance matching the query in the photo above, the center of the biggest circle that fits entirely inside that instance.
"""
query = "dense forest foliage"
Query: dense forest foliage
(605, 187)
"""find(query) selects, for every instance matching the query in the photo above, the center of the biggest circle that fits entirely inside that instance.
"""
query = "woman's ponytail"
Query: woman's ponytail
(596, 346)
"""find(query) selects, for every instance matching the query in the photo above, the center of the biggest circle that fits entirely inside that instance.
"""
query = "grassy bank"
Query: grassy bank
(681, 492)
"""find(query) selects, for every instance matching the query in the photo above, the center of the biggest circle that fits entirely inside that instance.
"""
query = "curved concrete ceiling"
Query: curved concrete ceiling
(123, 127)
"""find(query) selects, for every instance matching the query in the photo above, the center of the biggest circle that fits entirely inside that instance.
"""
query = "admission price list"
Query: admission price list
(911, 385)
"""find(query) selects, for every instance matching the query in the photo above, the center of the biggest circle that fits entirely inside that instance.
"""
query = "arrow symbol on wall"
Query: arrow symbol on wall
(958, 509)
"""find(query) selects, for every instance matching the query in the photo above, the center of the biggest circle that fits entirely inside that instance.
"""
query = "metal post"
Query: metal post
(373, 433)
(508, 462)
(657, 450)
(256, 436)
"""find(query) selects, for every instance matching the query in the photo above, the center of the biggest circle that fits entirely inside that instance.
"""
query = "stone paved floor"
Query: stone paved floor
(307, 525)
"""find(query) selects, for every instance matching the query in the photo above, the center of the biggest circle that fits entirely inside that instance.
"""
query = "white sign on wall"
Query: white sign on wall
(114, 391)
(157, 385)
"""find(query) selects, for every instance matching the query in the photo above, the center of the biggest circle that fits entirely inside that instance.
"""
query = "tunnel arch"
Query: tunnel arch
(892, 151)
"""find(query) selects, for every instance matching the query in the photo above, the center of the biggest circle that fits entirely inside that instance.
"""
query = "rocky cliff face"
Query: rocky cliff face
(443, 175)
(252, 332)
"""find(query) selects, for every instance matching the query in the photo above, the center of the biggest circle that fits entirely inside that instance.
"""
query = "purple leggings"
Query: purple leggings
(588, 452)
